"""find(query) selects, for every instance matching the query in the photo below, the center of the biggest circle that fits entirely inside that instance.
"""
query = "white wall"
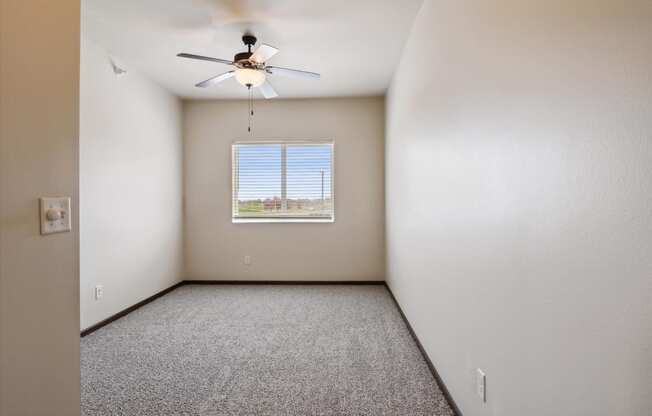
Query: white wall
(352, 248)
(519, 201)
(131, 187)
(39, 280)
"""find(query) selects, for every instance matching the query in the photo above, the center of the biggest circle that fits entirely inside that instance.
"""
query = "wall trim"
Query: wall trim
(157, 295)
(284, 282)
(128, 310)
(431, 366)
(144, 302)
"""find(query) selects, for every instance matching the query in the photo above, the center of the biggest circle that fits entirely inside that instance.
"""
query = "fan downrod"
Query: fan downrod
(242, 59)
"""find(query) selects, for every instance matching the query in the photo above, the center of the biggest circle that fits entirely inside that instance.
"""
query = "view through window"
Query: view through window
(287, 180)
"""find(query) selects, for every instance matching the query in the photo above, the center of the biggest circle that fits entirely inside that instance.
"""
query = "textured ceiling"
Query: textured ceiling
(354, 44)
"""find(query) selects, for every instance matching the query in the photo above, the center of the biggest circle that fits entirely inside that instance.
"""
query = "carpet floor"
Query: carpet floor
(259, 350)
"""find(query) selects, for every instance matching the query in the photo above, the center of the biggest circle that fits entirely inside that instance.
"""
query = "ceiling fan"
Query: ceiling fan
(251, 69)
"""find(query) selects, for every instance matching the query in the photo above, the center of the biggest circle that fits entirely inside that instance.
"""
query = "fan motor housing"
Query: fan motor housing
(241, 60)
(242, 56)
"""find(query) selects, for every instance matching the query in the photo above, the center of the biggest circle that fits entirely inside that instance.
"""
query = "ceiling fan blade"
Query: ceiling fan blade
(216, 79)
(267, 90)
(263, 53)
(204, 58)
(292, 72)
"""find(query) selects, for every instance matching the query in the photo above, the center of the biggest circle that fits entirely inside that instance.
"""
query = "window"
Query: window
(283, 181)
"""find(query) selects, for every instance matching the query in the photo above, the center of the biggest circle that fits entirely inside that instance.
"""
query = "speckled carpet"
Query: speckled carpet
(259, 350)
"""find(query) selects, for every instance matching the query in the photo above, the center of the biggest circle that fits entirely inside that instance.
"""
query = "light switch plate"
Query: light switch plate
(55, 215)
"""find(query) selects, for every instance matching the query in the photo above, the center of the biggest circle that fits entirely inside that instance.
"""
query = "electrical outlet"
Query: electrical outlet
(99, 292)
(247, 260)
(481, 384)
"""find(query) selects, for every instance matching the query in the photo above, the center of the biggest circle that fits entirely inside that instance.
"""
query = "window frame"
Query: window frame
(236, 219)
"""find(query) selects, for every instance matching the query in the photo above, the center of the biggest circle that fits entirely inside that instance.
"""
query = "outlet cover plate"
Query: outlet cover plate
(481, 384)
(99, 292)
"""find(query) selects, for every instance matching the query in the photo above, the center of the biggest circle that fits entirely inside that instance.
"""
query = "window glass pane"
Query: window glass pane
(259, 180)
(309, 180)
(283, 180)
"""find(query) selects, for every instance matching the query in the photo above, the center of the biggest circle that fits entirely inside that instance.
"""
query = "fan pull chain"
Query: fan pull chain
(250, 110)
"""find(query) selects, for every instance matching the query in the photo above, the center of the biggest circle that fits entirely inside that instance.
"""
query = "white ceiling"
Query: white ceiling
(354, 44)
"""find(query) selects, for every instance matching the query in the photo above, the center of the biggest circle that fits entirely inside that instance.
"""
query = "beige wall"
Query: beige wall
(519, 202)
(352, 248)
(39, 283)
(130, 187)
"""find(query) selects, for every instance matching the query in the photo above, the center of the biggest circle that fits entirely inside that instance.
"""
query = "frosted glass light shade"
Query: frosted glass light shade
(253, 77)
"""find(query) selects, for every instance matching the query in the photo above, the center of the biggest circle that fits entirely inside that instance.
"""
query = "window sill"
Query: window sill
(281, 220)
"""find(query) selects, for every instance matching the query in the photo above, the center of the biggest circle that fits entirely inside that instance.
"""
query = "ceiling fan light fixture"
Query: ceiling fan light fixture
(250, 77)
(250, 70)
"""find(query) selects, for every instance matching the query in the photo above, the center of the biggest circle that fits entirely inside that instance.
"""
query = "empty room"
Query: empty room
(365, 207)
